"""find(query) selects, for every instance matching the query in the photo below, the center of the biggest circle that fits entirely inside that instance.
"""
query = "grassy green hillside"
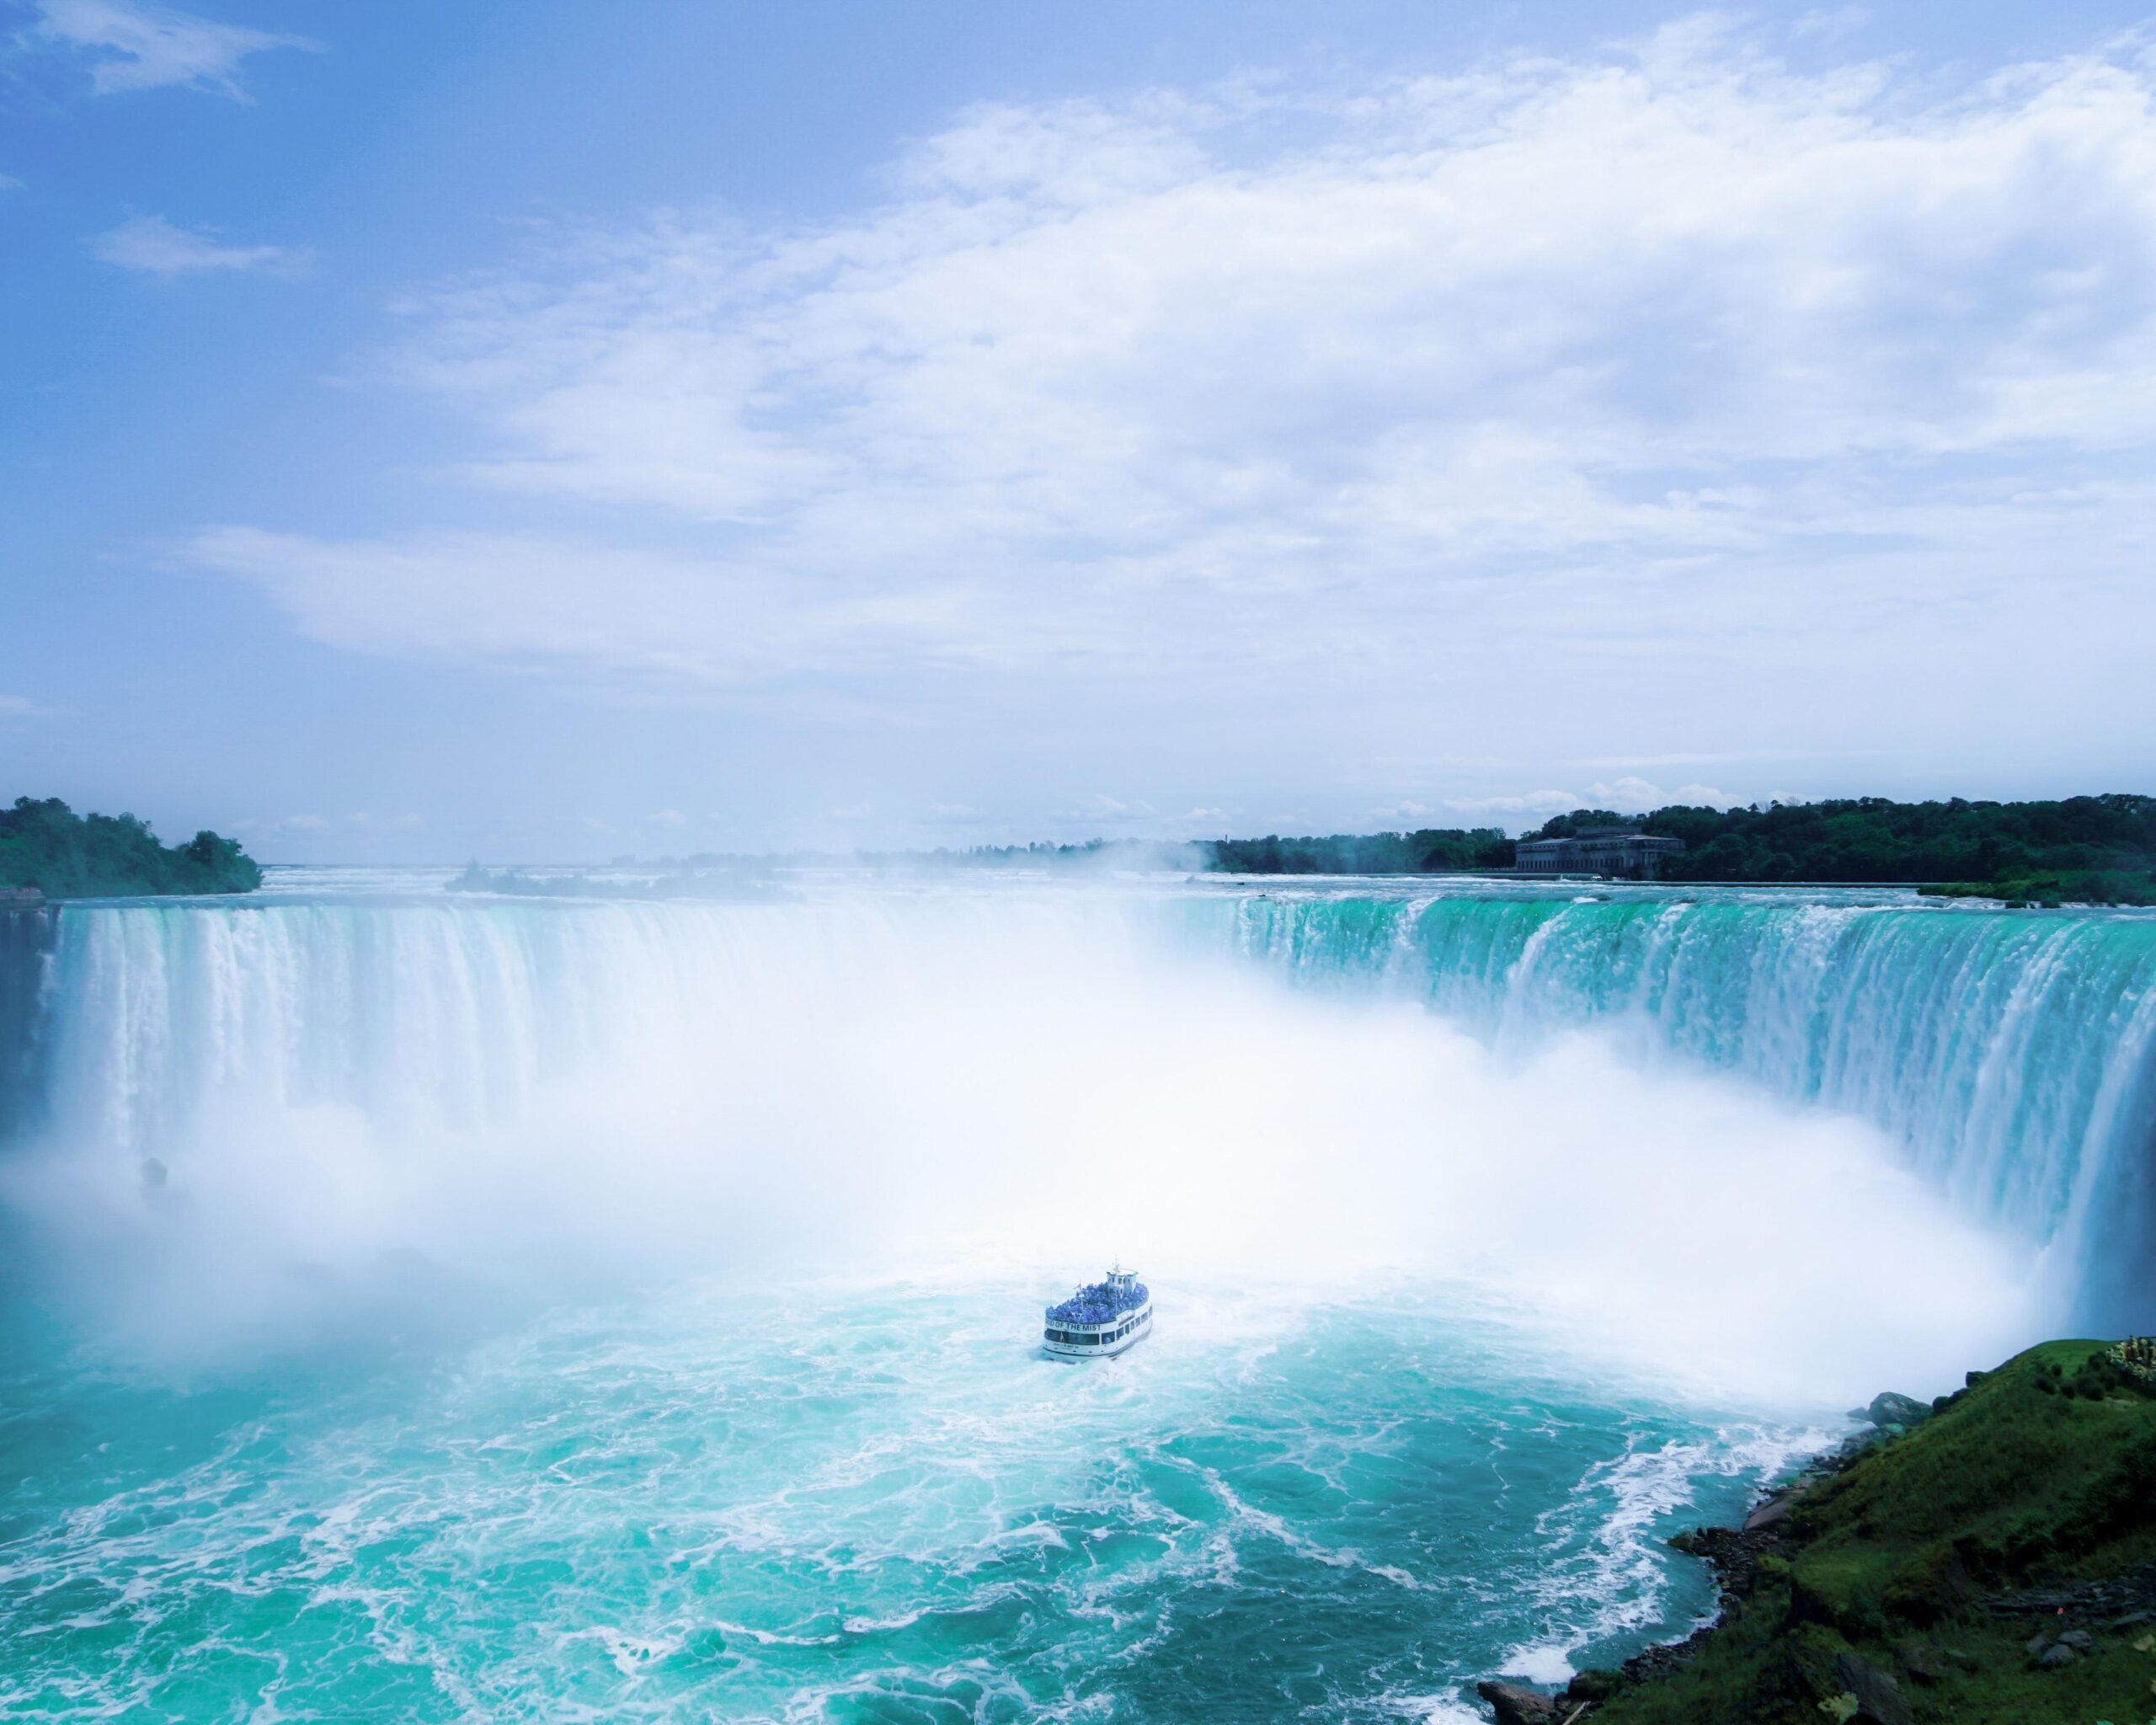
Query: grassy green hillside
(1995, 1563)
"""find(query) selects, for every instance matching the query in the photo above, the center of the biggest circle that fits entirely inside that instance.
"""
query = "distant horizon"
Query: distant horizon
(689, 859)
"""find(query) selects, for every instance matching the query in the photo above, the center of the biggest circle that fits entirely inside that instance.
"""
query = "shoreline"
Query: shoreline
(1989, 1558)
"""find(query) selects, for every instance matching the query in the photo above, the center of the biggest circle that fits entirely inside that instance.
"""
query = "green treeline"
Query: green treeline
(2087, 848)
(46, 845)
(2090, 850)
(1431, 851)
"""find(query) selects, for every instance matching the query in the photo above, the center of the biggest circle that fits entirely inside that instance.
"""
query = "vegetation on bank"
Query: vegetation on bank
(1995, 1563)
(2088, 849)
(44, 845)
(2085, 848)
(2054, 888)
(1431, 851)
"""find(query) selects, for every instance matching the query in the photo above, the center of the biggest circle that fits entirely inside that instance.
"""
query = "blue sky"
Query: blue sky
(553, 431)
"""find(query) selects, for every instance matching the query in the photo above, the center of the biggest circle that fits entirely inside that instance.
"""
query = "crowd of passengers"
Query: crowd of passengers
(1097, 1305)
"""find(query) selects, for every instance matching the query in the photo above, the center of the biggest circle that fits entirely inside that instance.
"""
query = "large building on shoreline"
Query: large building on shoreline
(1619, 852)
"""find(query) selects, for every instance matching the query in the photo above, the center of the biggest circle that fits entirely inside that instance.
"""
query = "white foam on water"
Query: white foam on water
(357, 1106)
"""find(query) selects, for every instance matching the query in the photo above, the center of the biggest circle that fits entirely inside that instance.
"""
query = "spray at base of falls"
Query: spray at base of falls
(2010, 1056)
(1017, 1079)
(1463, 1313)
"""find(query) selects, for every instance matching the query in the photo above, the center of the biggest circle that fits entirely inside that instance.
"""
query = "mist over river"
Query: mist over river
(439, 1306)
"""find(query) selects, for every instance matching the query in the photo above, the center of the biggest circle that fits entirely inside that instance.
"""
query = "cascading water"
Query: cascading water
(2014, 1056)
(1462, 1311)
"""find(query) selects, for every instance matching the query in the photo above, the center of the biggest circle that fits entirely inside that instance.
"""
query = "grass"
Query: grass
(2040, 1474)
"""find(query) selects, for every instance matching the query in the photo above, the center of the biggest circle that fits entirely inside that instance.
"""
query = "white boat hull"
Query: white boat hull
(1099, 1341)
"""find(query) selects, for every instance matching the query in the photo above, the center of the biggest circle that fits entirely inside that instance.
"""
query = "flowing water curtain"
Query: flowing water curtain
(2012, 1054)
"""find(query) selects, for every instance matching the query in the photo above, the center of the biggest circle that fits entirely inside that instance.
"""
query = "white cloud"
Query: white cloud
(1602, 393)
(1831, 23)
(137, 46)
(668, 817)
(492, 596)
(1627, 796)
(284, 826)
(1523, 802)
(21, 707)
(153, 245)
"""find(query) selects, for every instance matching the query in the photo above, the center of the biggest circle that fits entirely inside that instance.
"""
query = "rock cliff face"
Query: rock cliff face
(1989, 1557)
(1515, 1704)
(26, 930)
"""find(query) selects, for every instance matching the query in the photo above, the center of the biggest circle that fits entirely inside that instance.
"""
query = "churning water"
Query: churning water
(439, 1308)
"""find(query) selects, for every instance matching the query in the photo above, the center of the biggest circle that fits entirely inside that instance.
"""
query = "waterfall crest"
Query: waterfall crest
(2012, 1055)
(2009, 1055)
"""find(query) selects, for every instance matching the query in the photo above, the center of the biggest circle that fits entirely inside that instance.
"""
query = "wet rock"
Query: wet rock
(1771, 1513)
(1857, 1443)
(1888, 1408)
(2080, 1640)
(1590, 1686)
(1516, 1704)
(2057, 1655)
(1879, 1698)
(2036, 1646)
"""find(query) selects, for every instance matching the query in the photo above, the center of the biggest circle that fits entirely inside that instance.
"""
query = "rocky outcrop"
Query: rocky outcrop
(1879, 1699)
(1515, 1704)
(1887, 1408)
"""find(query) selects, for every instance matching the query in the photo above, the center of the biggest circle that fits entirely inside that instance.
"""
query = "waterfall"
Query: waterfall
(2009, 1055)
(2012, 1055)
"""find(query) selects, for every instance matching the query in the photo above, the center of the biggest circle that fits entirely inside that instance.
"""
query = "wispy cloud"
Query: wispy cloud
(1518, 802)
(284, 826)
(1625, 796)
(21, 707)
(154, 245)
(133, 45)
(1673, 379)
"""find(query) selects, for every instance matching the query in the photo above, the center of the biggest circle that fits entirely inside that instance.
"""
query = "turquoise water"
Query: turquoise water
(433, 1309)
(875, 1506)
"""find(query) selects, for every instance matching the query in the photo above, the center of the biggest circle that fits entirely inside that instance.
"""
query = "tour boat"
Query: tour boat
(1103, 1319)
